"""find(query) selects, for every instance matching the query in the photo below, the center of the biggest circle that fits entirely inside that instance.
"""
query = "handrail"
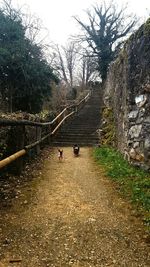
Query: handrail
(84, 99)
(23, 151)
(7, 122)
(29, 123)
(11, 158)
(57, 127)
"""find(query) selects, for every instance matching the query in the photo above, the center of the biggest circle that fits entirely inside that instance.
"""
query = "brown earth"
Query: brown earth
(70, 214)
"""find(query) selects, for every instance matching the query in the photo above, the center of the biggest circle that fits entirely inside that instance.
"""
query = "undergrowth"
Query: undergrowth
(133, 182)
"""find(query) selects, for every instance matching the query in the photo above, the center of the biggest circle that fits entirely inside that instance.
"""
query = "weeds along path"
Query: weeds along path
(70, 215)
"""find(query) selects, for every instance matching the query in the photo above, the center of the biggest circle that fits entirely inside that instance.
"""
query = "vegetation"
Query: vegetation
(108, 136)
(107, 27)
(74, 65)
(25, 75)
(133, 182)
(147, 27)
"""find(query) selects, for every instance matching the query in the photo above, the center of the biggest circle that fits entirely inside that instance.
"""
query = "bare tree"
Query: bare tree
(74, 65)
(88, 69)
(64, 60)
(104, 32)
(33, 26)
(59, 64)
(71, 55)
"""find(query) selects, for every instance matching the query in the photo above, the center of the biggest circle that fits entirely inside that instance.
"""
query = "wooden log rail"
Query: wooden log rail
(53, 126)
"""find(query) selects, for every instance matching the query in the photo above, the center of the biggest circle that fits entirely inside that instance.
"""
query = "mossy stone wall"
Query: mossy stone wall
(127, 93)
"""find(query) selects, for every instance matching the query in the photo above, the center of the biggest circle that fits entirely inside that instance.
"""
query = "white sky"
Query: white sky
(56, 15)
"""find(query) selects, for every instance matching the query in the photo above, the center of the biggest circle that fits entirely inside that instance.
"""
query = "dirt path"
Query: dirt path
(70, 215)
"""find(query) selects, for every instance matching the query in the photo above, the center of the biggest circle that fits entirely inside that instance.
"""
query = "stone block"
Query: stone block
(133, 114)
(147, 120)
(147, 144)
(135, 144)
(135, 131)
(140, 100)
(140, 157)
(132, 153)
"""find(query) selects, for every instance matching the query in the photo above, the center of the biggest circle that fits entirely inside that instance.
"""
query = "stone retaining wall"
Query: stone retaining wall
(127, 92)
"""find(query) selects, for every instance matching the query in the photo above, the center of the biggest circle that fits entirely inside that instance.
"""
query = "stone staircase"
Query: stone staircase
(82, 129)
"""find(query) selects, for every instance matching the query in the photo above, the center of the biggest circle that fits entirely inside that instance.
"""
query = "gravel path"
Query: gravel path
(70, 215)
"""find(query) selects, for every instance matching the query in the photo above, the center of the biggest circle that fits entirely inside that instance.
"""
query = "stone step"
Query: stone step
(77, 140)
(72, 134)
(71, 144)
(82, 128)
(77, 132)
(79, 136)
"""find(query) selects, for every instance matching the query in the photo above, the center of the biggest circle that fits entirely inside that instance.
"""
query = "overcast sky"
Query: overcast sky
(56, 15)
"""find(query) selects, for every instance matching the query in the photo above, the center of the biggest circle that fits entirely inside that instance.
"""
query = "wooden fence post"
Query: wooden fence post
(20, 135)
(38, 137)
(49, 131)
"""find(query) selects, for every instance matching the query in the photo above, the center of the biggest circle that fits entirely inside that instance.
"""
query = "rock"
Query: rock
(147, 87)
(91, 220)
(147, 144)
(140, 157)
(135, 144)
(140, 100)
(133, 114)
(147, 120)
(132, 153)
(141, 112)
(6, 241)
(135, 131)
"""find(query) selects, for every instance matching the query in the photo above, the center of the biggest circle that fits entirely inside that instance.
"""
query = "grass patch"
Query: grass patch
(133, 182)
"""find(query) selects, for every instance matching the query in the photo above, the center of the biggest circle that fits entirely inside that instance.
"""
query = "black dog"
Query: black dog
(76, 150)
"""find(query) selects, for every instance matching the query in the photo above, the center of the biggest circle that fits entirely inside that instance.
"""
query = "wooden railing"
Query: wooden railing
(53, 126)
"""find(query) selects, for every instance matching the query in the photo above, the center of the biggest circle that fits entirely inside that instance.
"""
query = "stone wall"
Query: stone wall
(127, 92)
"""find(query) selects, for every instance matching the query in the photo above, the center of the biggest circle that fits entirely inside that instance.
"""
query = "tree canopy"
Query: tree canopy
(104, 31)
(25, 75)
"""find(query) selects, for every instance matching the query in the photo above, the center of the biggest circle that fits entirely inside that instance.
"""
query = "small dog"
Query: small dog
(60, 154)
(76, 150)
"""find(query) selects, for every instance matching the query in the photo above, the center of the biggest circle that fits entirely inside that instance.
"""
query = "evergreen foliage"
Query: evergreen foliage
(25, 75)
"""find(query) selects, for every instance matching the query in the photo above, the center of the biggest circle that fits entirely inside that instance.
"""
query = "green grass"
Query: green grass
(133, 182)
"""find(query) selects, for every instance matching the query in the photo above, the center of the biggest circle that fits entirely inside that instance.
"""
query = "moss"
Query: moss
(139, 33)
(146, 28)
(3, 148)
(122, 57)
(107, 112)
(108, 134)
(131, 38)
